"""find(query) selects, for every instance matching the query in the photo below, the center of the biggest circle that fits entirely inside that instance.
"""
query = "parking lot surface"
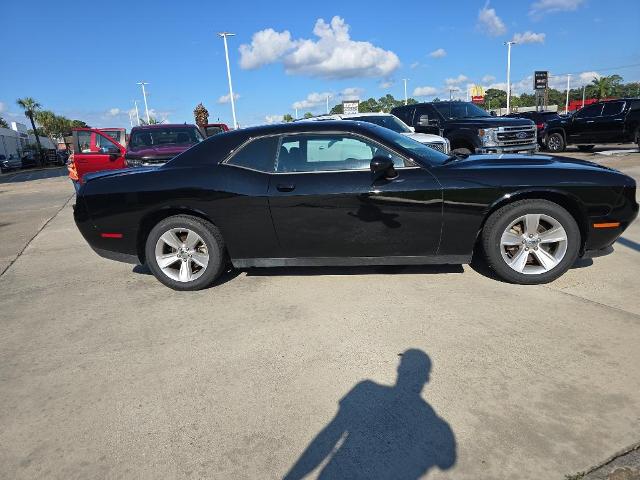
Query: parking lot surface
(105, 373)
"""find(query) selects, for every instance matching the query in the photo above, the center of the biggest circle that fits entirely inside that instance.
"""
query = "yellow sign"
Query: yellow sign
(477, 91)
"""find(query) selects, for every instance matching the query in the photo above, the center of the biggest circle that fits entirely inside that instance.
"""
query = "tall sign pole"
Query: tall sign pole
(508, 44)
(144, 95)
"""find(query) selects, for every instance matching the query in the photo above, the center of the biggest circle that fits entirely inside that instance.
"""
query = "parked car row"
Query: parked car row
(30, 160)
(607, 122)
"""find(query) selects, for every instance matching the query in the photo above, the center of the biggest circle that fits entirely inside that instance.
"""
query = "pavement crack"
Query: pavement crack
(44, 225)
(622, 310)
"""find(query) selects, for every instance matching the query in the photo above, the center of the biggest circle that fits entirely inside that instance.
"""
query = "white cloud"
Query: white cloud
(439, 53)
(114, 112)
(313, 100)
(414, 65)
(3, 107)
(489, 22)
(267, 46)
(386, 84)
(333, 55)
(488, 78)
(351, 93)
(540, 7)
(273, 118)
(457, 80)
(529, 37)
(227, 98)
(424, 91)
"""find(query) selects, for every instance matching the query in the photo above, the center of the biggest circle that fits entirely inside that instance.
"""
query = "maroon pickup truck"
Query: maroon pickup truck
(157, 144)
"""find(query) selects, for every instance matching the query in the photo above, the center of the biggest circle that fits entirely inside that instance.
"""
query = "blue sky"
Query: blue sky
(89, 56)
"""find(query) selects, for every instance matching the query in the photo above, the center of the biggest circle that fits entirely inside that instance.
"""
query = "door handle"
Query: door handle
(285, 188)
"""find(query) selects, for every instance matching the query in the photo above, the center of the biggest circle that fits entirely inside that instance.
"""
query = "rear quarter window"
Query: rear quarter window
(259, 154)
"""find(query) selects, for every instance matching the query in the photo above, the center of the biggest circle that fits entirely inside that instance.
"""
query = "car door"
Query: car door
(583, 125)
(94, 151)
(610, 124)
(326, 202)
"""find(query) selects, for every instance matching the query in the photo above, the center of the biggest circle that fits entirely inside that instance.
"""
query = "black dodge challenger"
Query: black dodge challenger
(351, 193)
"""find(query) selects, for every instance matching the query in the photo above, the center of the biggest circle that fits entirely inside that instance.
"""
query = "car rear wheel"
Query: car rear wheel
(531, 241)
(585, 148)
(185, 252)
(555, 142)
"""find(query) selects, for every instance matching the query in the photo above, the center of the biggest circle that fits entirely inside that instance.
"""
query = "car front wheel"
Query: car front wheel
(185, 252)
(531, 241)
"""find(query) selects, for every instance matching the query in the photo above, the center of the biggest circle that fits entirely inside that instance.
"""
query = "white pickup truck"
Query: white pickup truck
(392, 122)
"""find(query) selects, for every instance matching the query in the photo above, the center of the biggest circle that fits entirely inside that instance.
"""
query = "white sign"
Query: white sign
(350, 107)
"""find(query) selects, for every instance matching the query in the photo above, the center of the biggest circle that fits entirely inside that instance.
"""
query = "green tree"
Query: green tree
(30, 107)
(287, 117)
(308, 115)
(495, 98)
(3, 123)
(337, 109)
(152, 121)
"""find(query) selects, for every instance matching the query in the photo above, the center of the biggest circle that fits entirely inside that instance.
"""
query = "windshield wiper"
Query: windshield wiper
(454, 157)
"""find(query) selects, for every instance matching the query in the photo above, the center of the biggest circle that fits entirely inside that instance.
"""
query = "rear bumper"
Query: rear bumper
(117, 256)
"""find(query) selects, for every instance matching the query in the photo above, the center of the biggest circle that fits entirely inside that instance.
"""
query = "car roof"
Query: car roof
(162, 125)
(308, 126)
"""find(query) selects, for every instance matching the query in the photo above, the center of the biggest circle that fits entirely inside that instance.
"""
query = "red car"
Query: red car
(211, 129)
(94, 151)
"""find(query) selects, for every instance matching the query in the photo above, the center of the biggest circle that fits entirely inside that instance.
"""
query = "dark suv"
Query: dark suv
(469, 128)
(611, 121)
(157, 144)
(547, 125)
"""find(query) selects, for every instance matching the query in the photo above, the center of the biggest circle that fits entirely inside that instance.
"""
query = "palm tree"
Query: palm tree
(3, 123)
(201, 115)
(30, 107)
(602, 86)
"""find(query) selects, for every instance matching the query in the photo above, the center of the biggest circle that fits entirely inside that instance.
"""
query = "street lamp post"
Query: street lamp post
(135, 102)
(405, 90)
(509, 44)
(583, 89)
(328, 104)
(566, 105)
(224, 36)
(144, 95)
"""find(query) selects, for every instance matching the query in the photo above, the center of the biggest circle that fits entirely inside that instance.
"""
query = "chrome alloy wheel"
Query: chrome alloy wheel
(553, 143)
(181, 254)
(533, 243)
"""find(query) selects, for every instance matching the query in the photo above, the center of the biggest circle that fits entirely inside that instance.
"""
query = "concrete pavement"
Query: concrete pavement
(106, 373)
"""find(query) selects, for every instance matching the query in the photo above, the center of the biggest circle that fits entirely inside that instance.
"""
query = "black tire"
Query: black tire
(212, 239)
(555, 143)
(462, 151)
(585, 148)
(498, 222)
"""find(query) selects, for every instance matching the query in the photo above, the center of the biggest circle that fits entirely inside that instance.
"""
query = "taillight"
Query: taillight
(540, 126)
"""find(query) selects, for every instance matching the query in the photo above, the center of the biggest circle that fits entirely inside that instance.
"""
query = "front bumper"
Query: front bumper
(529, 148)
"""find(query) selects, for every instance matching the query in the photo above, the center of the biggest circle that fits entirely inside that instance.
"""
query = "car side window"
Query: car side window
(103, 144)
(321, 153)
(591, 111)
(612, 108)
(84, 141)
(259, 154)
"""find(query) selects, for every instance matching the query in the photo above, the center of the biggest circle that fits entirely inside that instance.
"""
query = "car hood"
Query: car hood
(87, 177)
(488, 122)
(424, 137)
(160, 151)
(524, 161)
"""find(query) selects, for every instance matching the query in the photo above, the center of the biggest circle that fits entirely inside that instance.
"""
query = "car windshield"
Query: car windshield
(154, 137)
(213, 130)
(459, 110)
(387, 121)
(414, 148)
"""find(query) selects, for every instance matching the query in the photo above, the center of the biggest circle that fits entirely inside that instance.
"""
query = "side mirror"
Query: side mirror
(382, 166)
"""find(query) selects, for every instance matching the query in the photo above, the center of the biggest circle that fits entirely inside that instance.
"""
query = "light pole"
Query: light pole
(508, 44)
(451, 90)
(224, 36)
(566, 105)
(328, 96)
(135, 102)
(405, 80)
(296, 112)
(144, 95)
(583, 88)
(130, 119)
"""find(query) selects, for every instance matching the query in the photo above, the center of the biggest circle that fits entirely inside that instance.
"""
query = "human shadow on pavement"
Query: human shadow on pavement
(382, 432)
